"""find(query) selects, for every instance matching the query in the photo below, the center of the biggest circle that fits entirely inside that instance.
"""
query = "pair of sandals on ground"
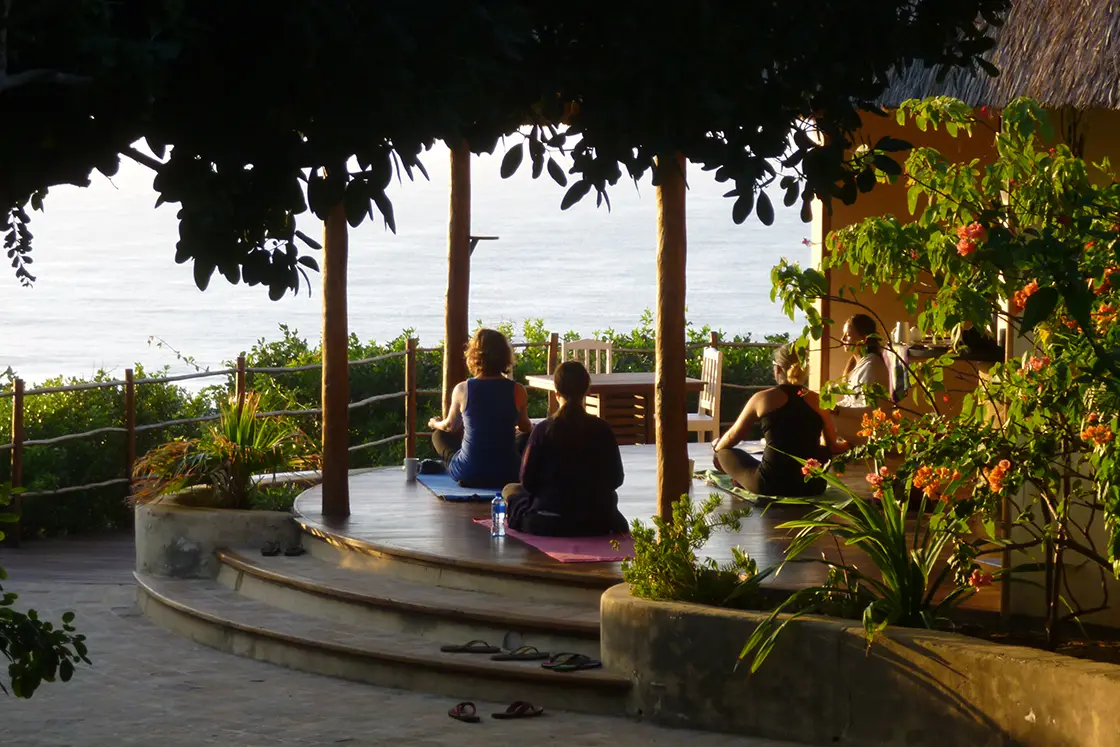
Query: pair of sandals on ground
(562, 662)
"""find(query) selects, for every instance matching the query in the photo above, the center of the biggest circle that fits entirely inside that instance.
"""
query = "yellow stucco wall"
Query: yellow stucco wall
(827, 361)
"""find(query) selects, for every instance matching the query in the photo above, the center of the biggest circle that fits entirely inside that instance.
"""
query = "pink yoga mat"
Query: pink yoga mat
(575, 549)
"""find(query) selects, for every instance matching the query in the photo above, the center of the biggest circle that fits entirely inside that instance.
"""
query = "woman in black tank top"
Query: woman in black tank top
(793, 425)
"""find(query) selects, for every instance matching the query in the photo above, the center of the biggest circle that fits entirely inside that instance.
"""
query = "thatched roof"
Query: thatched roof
(1060, 52)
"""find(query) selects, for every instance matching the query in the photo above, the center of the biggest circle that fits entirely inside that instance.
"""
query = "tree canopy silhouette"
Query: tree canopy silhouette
(259, 110)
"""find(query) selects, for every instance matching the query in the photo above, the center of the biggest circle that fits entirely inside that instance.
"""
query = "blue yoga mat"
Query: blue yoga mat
(449, 490)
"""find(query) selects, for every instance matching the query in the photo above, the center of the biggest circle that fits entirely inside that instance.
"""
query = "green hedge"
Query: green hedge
(102, 458)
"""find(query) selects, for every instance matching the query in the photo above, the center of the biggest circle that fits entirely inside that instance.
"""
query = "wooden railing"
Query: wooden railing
(241, 373)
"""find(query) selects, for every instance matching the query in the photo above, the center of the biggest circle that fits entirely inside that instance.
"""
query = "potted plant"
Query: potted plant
(225, 461)
(195, 496)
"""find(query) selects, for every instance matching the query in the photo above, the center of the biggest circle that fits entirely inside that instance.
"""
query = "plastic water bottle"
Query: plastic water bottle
(498, 516)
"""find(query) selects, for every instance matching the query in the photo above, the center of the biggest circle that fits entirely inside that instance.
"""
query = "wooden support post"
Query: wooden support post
(713, 340)
(241, 383)
(670, 411)
(410, 398)
(553, 362)
(336, 369)
(15, 533)
(455, 327)
(129, 425)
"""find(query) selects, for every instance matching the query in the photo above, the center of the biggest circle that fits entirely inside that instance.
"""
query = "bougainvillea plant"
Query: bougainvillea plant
(1027, 243)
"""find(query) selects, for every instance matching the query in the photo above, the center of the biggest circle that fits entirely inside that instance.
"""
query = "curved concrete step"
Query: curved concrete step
(308, 585)
(209, 613)
(451, 573)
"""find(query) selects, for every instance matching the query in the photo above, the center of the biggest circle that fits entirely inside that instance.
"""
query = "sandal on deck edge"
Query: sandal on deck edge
(519, 709)
(525, 653)
(471, 647)
(465, 712)
(571, 663)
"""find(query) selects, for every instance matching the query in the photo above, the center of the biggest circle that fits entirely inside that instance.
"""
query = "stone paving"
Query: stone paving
(150, 687)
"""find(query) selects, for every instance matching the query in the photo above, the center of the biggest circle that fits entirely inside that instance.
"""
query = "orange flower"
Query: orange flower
(932, 482)
(995, 476)
(973, 231)
(1019, 300)
(1098, 435)
(979, 579)
(1037, 364)
(877, 424)
(1105, 316)
(966, 247)
(810, 466)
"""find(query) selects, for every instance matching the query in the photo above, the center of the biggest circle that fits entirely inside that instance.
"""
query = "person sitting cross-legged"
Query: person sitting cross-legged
(865, 374)
(571, 469)
(477, 440)
(793, 424)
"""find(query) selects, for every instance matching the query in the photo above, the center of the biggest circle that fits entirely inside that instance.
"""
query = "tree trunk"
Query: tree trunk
(336, 372)
(671, 417)
(456, 330)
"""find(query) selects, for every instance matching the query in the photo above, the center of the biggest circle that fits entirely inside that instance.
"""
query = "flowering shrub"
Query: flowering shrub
(1028, 244)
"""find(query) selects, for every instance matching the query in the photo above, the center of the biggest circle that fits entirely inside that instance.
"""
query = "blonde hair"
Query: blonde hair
(793, 371)
(489, 353)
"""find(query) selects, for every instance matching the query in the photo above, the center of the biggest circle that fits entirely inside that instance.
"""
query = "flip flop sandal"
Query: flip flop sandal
(471, 647)
(270, 549)
(465, 712)
(525, 653)
(519, 709)
(295, 552)
(571, 663)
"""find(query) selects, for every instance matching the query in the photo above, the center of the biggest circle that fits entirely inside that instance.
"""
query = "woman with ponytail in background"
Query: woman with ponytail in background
(571, 469)
(793, 424)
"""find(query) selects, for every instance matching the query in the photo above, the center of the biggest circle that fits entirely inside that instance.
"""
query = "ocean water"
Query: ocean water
(107, 281)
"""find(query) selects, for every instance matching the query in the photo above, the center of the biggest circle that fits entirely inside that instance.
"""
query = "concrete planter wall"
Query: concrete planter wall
(821, 684)
(181, 541)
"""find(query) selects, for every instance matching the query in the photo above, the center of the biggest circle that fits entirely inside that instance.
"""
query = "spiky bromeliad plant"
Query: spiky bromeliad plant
(227, 456)
(911, 564)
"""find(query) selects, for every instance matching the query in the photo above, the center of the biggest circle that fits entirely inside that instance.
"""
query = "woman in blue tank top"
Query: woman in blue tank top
(478, 439)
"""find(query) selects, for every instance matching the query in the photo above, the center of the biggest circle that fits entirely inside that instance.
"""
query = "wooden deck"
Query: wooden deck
(392, 516)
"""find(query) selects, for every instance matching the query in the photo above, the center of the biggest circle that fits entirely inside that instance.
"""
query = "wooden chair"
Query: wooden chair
(706, 421)
(596, 355)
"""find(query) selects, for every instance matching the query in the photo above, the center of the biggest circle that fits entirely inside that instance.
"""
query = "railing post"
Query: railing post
(553, 362)
(713, 340)
(240, 383)
(129, 425)
(410, 398)
(17, 460)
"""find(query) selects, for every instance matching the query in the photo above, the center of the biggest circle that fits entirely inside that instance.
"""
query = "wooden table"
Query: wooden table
(625, 400)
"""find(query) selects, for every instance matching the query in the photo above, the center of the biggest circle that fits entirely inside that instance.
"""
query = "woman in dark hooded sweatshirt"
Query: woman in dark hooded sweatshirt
(570, 470)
